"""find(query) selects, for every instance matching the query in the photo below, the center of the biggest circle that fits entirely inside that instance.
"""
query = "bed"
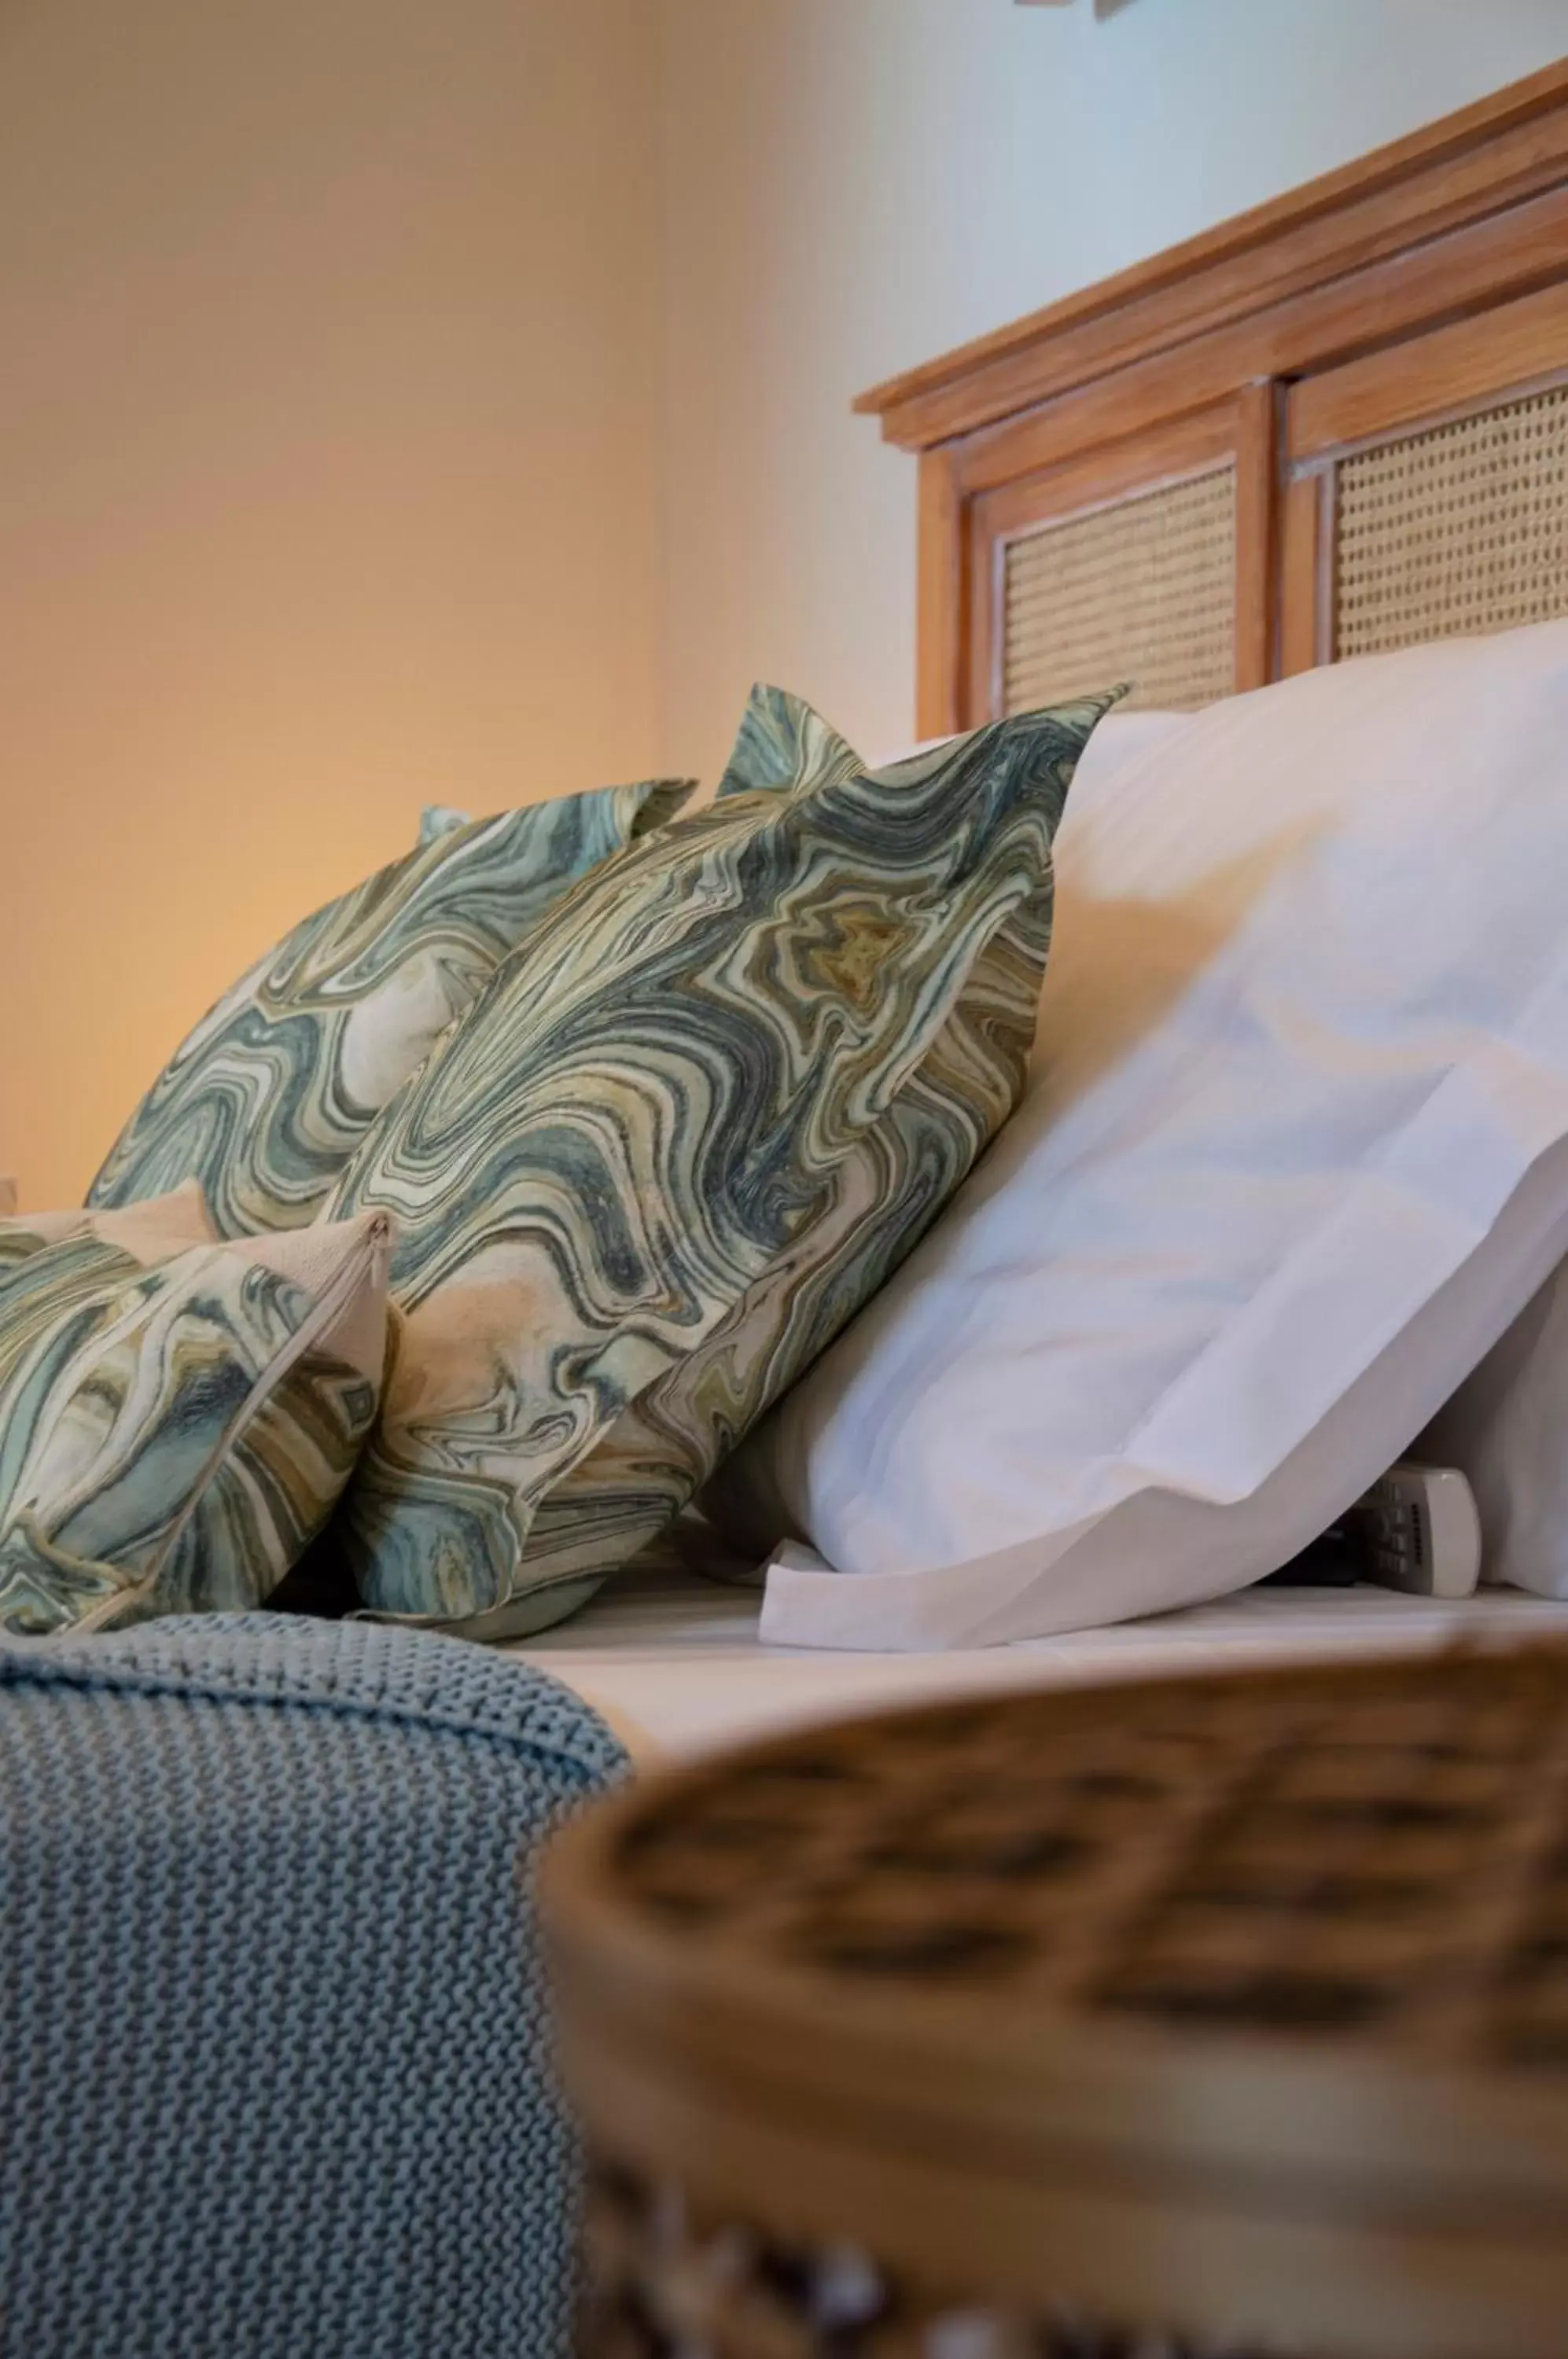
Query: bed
(1335, 426)
(675, 1665)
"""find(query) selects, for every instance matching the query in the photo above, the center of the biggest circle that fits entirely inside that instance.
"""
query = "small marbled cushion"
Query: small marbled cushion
(54, 1257)
(173, 1434)
(638, 1179)
(274, 1089)
(163, 1225)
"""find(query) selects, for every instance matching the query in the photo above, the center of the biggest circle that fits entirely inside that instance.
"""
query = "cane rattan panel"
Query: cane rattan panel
(1461, 529)
(1143, 591)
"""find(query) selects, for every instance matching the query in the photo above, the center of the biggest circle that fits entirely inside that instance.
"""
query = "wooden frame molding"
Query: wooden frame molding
(1514, 346)
(1257, 512)
(939, 669)
(1454, 173)
(1421, 280)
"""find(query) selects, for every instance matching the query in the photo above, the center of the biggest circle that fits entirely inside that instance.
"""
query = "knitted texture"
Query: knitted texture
(274, 2074)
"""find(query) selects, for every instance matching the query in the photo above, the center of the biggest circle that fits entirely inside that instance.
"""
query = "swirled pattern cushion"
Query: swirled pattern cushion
(173, 1435)
(627, 1177)
(73, 1246)
(270, 1096)
(151, 1232)
(878, 1200)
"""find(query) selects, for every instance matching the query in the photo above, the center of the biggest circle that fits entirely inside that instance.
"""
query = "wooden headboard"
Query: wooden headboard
(1335, 424)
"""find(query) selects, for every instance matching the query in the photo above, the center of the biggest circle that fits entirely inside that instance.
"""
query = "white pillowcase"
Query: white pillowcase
(1116, 739)
(1506, 1428)
(1286, 1174)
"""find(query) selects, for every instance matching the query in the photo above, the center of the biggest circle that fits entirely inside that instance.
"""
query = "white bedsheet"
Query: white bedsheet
(676, 1666)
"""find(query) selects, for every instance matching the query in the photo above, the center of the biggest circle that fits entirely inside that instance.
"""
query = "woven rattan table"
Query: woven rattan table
(1222, 2014)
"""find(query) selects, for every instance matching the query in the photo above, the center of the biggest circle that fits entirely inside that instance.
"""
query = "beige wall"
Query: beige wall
(327, 447)
(853, 186)
(405, 401)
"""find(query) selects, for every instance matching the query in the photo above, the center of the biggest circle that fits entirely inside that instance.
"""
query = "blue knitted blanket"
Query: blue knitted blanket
(274, 2069)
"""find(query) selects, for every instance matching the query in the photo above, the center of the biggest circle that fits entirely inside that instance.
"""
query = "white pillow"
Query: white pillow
(1116, 739)
(1508, 1429)
(1286, 1174)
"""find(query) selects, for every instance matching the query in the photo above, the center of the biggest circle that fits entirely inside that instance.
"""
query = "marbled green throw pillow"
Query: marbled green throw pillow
(274, 1089)
(628, 1182)
(178, 1416)
(163, 1225)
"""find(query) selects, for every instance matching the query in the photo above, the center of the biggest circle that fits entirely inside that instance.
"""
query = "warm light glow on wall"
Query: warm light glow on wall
(331, 483)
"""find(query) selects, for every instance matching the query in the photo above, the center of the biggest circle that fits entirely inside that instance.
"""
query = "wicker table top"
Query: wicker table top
(1237, 2003)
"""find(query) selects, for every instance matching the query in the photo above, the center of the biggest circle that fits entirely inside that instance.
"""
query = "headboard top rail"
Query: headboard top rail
(1353, 227)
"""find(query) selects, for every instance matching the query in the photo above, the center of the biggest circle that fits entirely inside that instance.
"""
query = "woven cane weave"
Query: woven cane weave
(1199, 2010)
(1142, 590)
(1455, 531)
